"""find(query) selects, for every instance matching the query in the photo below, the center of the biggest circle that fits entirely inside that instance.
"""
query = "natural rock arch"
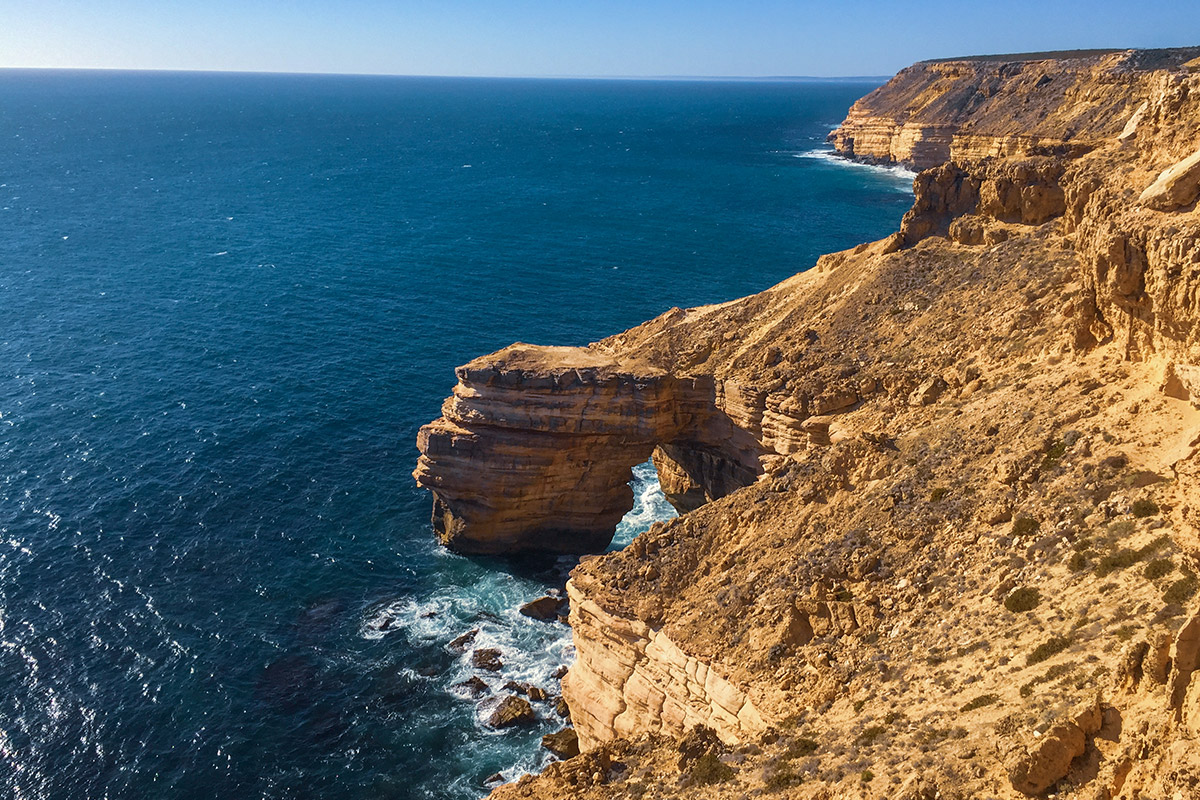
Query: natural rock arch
(535, 448)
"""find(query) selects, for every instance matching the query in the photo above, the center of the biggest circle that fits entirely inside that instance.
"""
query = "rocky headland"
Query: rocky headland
(942, 524)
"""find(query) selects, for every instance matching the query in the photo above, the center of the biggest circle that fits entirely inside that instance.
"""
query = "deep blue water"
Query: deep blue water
(227, 302)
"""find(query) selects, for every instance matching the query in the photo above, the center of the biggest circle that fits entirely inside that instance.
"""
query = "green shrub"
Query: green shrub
(1144, 508)
(1158, 568)
(1181, 590)
(1024, 525)
(980, 702)
(1022, 599)
(938, 494)
(709, 770)
(867, 775)
(1053, 453)
(1047, 649)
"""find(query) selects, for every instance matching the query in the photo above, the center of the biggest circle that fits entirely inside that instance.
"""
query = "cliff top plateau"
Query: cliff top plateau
(942, 520)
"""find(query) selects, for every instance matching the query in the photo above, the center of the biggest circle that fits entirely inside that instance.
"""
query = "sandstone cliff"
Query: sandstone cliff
(1033, 104)
(944, 519)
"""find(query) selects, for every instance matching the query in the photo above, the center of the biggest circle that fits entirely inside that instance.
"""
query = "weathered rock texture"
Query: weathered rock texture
(535, 449)
(964, 109)
(630, 678)
(1003, 395)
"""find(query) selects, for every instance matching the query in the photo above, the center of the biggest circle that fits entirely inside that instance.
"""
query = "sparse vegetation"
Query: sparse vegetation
(1023, 526)
(867, 775)
(783, 778)
(1144, 508)
(1181, 590)
(1126, 557)
(709, 770)
(800, 748)
(1125, 632)
(938, 494)
(1053, 453)
(1158, 568)
(870, 734)
(1119, 560)
(1022, 599)
(980, 701)
(1047, 649)
(1118, 528)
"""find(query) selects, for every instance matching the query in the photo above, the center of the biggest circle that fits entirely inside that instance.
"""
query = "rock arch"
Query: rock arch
(535, 448)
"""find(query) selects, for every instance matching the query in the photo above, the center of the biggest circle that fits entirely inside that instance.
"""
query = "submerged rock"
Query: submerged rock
(473, 686)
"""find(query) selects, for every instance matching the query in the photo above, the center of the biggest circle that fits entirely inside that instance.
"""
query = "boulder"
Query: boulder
(564, 743)
(928, 392)
(1049, 758)
(512, 711)
(460, 644)
(546, 609)
(473, 686)
(487, 658)
(1175, 187)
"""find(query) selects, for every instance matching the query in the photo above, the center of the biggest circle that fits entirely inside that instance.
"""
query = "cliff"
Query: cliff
(958, 109)
(943, 523)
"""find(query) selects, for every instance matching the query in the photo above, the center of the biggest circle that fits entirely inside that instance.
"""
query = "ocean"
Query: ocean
(227, 302)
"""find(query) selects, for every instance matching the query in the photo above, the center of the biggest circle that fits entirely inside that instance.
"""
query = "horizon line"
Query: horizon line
(191, 70)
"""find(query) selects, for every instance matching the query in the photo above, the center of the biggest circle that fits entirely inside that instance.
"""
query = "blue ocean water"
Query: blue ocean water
(227, 302)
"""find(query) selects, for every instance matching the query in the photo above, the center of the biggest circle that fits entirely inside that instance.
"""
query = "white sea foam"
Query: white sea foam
(903, 175)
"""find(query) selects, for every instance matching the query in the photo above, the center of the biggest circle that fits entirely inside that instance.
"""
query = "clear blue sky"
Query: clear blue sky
(568, 37)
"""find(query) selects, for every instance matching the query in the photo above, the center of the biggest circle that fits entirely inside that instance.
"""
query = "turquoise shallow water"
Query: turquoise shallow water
(227, 302)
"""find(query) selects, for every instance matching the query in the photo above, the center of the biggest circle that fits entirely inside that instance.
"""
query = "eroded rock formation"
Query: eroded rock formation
(953, 551)
(967, 109)
(535, 449)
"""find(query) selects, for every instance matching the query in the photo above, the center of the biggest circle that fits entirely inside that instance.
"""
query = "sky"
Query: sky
(628, 38)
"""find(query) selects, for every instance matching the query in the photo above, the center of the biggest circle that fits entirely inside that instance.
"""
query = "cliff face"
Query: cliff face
(953, 548)
(1060, 104)
(535, 448)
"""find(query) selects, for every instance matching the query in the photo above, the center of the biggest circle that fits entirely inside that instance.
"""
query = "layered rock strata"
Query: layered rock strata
(630, 677)
(535, 448)
(962, 561)
(1060, 104)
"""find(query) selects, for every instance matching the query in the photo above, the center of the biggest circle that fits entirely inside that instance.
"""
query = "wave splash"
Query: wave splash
(478, 609)
(903, 176)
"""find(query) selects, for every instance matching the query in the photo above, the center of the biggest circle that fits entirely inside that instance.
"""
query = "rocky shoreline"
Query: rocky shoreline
(942, 521)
